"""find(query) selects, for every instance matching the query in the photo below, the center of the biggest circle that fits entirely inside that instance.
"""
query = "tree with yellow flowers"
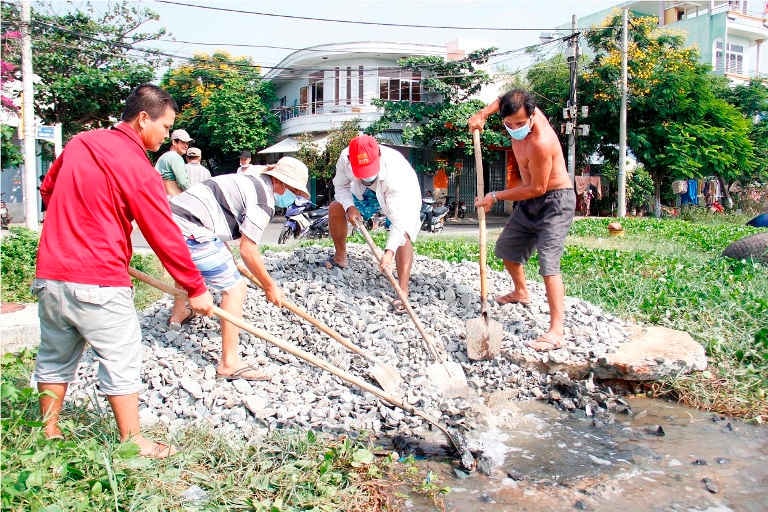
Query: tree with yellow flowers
(224, 105)
(677, 126)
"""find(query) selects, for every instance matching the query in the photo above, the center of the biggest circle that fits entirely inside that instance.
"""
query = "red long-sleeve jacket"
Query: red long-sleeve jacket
(100, 183)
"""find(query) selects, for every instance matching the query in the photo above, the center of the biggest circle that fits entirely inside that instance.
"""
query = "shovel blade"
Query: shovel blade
(449, 378)
(387, 377)
(483, 338)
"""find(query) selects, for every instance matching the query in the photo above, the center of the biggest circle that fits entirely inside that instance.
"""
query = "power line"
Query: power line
(355, 22)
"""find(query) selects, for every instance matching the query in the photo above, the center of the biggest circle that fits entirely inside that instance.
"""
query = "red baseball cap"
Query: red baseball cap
(364, 155)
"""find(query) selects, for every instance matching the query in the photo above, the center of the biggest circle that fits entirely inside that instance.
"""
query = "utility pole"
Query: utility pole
(29, 178)
(622, 177)
(573, 58)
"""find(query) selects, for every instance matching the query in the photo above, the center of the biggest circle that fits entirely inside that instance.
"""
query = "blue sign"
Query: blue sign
(45, 132)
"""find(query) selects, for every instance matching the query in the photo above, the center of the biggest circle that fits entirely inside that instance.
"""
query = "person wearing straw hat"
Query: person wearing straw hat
(230, 207)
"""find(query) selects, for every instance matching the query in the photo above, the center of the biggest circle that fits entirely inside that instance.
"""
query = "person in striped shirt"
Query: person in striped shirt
(234, 207)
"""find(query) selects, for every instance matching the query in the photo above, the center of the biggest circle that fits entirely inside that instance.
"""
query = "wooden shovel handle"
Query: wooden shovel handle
(481, 221)
(419, 327)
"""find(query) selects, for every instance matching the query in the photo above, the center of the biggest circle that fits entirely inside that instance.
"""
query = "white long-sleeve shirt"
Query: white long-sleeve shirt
(397, 190)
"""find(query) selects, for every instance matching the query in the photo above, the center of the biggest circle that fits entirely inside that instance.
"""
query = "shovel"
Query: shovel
(446, 375)
(387, 376)
(483, 334)
(454, 437)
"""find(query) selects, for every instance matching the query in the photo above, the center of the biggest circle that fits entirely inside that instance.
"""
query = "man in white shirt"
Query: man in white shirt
(195, 170)
(366, 166)
(245, 162)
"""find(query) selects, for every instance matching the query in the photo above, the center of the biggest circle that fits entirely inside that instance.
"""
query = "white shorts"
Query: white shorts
(72, 314)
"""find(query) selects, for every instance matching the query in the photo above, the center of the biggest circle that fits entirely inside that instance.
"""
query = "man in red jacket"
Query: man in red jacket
(100, 184)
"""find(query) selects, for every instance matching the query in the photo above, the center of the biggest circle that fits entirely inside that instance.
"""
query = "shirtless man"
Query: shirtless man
(543, 210)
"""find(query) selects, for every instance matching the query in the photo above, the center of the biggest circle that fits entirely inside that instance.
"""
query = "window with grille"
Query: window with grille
(397, 84)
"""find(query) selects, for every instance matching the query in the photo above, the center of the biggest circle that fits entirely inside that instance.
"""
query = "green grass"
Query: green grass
(670, 273)
(91, 470)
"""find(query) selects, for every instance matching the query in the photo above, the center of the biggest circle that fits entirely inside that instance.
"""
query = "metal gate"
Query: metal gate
(467, 184)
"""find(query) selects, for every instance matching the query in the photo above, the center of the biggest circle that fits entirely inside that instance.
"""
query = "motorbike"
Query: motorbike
(432, 217)
(460, 211)
(5, 216)
(304, 219)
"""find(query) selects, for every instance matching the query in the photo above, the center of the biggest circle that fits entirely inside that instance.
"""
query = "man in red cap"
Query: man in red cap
(369, 177)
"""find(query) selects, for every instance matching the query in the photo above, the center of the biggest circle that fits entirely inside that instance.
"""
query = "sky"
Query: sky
(206, 30)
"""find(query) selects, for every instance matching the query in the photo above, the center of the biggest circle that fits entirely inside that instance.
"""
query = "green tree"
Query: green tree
(678, 127)
(322, 162)
(752, 101)
(86, 60)
(224, 104)
(440, 124)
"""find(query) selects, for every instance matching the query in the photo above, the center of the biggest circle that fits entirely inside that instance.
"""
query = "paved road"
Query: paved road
(466, 227)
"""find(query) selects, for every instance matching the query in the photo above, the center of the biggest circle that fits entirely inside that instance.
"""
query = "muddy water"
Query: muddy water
(661, 457)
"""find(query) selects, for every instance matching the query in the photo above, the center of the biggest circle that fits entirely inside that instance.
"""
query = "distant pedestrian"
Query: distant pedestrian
(100, 183)
(171, 165)
(245, 162)
(195, 170)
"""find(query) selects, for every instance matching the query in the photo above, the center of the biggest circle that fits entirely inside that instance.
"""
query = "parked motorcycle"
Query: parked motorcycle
(304, 219)
(5, 216)
(432, 217)
(460, 211)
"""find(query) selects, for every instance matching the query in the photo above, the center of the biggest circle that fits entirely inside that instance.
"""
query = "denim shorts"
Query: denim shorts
(73, 314)
(215, 262)
(369, 205)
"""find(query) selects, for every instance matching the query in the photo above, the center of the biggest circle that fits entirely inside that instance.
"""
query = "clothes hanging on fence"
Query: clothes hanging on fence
(679, 186)
(691, 196)
(712, 191)
(583, 183)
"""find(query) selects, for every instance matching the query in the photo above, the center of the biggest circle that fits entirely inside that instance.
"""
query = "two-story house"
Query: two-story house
(731, 35)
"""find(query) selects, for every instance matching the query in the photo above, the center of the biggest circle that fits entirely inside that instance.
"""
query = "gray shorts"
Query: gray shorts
(72, 314)
(540, 223)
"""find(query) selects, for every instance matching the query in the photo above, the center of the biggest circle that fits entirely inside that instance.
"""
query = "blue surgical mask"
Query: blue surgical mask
(519, 133)
(285, 199)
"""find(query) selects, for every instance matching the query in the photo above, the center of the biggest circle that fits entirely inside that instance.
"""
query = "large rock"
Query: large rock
(653, 353)
(19, 327)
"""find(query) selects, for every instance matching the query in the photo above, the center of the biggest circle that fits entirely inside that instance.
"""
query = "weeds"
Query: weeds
(91, 470)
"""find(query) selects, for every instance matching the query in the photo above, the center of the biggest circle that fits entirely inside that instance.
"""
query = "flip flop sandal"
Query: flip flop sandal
(398, 307)
(330, 263)
(502, 299)
(176, 326)
(240, 373)
(546, 342)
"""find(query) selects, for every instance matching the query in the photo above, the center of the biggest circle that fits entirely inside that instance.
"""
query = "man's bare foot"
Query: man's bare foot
(514, 298)
(152, 449)
(546, 342)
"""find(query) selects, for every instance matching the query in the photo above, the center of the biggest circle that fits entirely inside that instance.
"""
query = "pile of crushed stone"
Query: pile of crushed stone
(182, 388)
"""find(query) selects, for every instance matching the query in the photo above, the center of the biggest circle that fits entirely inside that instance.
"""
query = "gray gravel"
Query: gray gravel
(179, 366)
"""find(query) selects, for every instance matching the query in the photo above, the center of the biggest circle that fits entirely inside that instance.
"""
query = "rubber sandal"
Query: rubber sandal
(176, 326)
(330, 264)
(546, 342)
(508, 299)
(240, 373)
(159, 451)
(398, 307)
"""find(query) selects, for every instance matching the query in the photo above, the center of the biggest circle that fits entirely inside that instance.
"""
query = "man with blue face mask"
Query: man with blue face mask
(230, 207)
(544, 206)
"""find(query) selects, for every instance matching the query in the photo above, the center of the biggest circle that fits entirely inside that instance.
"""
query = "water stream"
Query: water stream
(660, 457)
